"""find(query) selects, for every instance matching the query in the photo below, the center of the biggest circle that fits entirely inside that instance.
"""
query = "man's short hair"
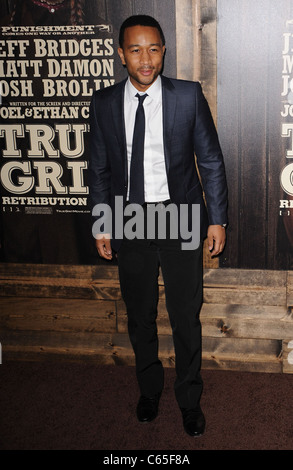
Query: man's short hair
(140, 20)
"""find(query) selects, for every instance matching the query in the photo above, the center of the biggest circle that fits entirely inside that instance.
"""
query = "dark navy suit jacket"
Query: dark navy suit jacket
(188, 129)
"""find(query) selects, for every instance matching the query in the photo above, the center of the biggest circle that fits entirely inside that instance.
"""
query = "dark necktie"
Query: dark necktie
(136, 191)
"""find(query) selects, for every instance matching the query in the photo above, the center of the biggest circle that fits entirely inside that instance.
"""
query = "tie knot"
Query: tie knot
(141, 98)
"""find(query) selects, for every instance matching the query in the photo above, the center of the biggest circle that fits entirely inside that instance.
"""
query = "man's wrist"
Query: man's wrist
(100, 236)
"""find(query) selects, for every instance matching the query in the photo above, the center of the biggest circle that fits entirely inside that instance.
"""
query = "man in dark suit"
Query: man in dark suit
(177, 124)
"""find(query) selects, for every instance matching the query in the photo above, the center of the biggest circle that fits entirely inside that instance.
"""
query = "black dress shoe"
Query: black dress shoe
(147, 408)
(193, 421)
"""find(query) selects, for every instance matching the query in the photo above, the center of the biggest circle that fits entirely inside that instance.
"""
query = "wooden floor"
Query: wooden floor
(76, 313)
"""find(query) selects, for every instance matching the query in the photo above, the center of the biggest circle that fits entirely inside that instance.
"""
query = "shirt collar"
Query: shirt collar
(154, 91)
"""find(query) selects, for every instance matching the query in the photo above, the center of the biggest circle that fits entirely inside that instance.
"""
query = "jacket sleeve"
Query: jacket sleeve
(99, 165)
(210, 161)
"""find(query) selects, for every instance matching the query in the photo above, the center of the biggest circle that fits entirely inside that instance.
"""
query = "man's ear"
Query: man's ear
(121, 55)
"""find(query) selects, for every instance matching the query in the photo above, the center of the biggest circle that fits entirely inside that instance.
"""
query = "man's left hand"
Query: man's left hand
(216, 239)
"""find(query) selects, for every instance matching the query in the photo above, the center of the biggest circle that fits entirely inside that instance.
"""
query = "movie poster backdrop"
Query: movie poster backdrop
(255, 124)
(49, 69)
(53, 55)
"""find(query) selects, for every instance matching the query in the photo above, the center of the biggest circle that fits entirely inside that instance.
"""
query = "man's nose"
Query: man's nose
(145, 57)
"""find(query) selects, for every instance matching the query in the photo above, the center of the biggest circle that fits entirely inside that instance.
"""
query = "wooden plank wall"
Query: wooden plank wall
(76, 313)
(196, 59)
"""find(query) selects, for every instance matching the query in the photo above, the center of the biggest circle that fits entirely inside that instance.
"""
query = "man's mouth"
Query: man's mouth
(146, 71)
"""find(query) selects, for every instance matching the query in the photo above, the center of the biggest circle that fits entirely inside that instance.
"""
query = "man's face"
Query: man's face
(142, 54)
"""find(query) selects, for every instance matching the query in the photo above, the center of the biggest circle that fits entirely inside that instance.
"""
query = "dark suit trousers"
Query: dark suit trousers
(138, 262)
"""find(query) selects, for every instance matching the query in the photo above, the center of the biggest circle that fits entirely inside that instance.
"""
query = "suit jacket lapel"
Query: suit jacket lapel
(169, 109)
(117, 107)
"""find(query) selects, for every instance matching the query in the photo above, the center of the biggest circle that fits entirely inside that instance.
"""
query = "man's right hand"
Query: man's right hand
(103, 244)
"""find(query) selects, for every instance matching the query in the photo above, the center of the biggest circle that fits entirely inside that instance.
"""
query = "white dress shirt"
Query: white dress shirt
(155, 177)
